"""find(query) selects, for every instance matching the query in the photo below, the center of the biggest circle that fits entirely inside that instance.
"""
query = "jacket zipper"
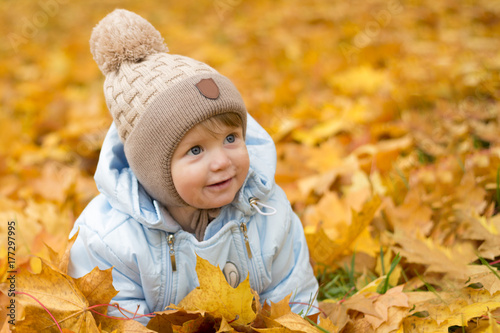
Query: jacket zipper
(243, 228)
(252, 268)
(171, 240)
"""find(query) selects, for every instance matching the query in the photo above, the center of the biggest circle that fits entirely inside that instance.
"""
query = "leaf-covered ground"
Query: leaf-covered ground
(385, 114)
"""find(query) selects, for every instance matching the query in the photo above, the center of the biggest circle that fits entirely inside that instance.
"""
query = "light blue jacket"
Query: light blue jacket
(125, 228)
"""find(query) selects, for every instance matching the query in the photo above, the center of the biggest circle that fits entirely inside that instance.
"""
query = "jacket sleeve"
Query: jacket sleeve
(89, 251)
(291, 270)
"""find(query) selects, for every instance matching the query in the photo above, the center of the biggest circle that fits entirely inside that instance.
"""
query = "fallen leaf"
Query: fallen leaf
(325, 250)
(446, 309)
(294, 322)
(487, 231)
(328, 325)
(61, 259)
(214, 295)
(164, 320)
(391, 308)
(97, 288)
(59, 294)
(451, 261)
(120, 325)
(481, 274)
(413, 215)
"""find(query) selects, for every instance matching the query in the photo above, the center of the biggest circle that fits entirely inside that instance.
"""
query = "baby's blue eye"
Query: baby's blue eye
(195, 150)
(230, 138)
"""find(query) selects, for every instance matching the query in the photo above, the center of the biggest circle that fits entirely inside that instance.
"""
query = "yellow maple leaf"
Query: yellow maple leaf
(325, 250)
(446, 309)
(59, 294)
(216, 296)
(51, 296)
(493, 327)
(482, 303)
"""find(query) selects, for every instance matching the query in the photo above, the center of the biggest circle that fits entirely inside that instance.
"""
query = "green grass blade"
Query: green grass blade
(484, 262)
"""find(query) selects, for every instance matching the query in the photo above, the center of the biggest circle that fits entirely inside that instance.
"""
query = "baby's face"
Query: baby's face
(209, 168)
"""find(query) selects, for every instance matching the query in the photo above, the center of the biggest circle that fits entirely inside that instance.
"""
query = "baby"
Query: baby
(184, 171)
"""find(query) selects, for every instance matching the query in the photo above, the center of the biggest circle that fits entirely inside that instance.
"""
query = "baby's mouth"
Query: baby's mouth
(222, 183)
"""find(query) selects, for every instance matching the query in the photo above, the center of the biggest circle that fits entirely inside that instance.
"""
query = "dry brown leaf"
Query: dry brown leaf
(175, 316)
(413, 215)
(382, 155)
(481, 274)
(391, 307)
(125, 326)
(447, 309)
(451, 261)
(225, 327)
(294, 322)
(336, 313)
(279, 329)
(486, 230)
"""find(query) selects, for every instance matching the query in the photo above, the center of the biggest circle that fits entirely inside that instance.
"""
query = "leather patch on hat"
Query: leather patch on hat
(208, 88)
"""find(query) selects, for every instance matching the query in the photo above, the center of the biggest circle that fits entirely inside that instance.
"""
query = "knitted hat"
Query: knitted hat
(155, 97)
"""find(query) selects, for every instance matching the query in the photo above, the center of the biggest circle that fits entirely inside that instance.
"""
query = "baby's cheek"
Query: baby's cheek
(183, 178)
(245, 161)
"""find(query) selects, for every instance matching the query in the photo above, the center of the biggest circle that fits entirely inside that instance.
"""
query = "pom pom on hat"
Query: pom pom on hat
(123, 36)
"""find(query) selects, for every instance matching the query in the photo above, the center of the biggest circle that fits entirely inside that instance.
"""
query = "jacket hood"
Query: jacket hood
(116, 180)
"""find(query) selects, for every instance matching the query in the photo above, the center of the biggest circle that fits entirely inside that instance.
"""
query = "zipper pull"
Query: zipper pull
(243, 228)
(255, 203)
(171, 240)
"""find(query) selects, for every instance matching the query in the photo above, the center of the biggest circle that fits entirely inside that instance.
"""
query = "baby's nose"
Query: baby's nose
(220, 160)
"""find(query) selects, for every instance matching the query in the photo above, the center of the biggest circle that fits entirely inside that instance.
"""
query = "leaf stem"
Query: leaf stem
(115, 305)
(43, 306)
(495, 262)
